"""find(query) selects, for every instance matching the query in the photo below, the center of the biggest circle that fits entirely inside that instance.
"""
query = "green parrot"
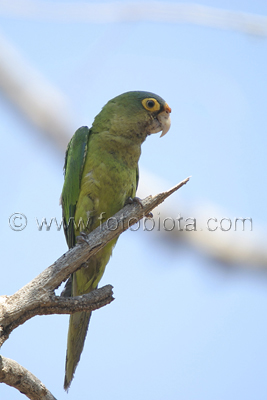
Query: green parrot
(101, 175)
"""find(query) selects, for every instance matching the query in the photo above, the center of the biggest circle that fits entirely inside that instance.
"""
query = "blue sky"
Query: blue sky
(183, 326)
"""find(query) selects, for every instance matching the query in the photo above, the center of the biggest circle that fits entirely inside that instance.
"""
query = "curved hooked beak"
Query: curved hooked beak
(164, 119)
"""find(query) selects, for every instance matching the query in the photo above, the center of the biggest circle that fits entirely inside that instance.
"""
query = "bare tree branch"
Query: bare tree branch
(46, 304)
(20, 378)
(38, 297)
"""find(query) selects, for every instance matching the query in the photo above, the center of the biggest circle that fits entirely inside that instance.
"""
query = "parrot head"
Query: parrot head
(134, 115)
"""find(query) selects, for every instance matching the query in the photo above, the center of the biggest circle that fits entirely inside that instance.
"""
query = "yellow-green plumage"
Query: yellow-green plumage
(101, 173)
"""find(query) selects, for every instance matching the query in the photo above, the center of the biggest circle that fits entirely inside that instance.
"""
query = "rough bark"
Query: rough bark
(20, 378)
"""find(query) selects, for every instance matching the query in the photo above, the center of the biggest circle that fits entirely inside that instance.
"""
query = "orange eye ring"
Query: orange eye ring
(151, 104)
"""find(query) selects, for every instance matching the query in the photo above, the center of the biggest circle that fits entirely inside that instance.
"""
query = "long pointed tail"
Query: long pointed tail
(83, 281)
(78, 327)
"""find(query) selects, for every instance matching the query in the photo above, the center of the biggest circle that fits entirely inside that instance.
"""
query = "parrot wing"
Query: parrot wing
(73, 168)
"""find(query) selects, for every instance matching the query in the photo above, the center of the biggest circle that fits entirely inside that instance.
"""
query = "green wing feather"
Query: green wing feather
(73, 167)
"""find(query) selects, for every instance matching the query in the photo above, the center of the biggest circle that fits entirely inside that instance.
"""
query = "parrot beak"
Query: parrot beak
(164, 119)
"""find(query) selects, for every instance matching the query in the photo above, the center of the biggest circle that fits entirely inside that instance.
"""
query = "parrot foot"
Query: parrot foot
(132, 200)
(149, 215)
(137, 200)
(81, 238)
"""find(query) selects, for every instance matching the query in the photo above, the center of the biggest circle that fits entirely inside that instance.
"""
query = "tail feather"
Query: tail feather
(83, 281)
(78, 327)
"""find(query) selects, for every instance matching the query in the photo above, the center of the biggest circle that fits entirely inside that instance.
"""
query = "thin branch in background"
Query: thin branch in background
(134, 11)
(241, 245)
(34, 96)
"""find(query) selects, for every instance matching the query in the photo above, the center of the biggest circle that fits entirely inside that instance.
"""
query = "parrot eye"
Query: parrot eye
(151, 104)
